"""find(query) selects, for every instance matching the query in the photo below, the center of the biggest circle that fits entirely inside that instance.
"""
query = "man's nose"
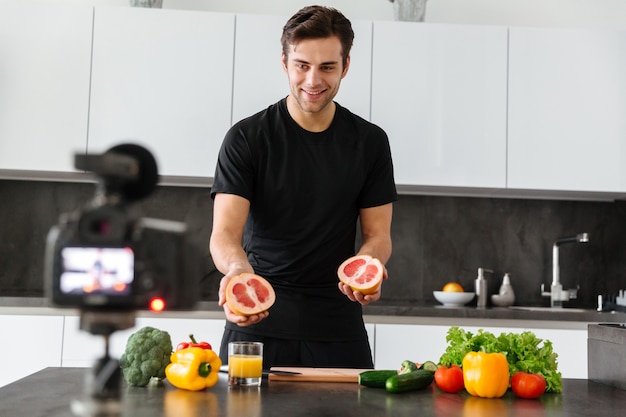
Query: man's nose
(313, 76)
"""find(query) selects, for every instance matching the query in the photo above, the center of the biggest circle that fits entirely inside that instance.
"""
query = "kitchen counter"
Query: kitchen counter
(50, 393)
(379, 312)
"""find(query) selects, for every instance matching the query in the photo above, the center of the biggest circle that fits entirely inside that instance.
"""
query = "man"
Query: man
(290, 185)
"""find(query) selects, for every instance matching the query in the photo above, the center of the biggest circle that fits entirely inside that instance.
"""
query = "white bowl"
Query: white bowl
(453, 299)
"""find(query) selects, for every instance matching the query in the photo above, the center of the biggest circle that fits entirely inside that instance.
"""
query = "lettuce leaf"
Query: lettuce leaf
(524, 352)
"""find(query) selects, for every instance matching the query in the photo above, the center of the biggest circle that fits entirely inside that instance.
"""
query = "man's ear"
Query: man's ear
(283, 60)
(345, 69)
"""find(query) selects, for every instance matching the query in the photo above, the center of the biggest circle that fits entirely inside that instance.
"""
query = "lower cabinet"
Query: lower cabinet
(397, 342)
(29, 344)
(82, 349)
(44, 341)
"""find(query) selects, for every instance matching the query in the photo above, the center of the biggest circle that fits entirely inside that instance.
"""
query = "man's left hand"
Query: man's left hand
(358, 297)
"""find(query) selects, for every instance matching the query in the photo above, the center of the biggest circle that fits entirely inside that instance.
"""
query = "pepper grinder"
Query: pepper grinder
(481, 288)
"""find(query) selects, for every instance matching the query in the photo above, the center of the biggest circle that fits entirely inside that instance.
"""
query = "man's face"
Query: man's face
(315, 69)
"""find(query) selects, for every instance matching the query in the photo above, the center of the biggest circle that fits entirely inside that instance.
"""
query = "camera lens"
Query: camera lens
(106, 224)
(101, 227)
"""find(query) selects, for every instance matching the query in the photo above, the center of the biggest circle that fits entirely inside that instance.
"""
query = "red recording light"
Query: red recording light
(157, 305)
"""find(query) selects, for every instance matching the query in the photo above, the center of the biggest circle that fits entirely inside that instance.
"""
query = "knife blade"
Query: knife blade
(266, 372)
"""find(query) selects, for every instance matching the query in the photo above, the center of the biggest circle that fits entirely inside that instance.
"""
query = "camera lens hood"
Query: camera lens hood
(148, 174)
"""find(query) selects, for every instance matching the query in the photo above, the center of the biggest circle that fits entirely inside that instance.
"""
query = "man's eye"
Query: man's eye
(301, 66)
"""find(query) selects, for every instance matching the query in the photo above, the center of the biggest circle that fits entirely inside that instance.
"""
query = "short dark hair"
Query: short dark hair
(314, 22)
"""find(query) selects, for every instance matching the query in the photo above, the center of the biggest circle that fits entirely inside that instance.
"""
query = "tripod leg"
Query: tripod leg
(106, 379)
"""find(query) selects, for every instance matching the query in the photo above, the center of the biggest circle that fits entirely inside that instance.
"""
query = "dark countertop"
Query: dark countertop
(51, 391)
(381, 311)
(503, 313)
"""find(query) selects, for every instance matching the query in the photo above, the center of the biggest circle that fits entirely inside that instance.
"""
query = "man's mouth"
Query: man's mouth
(313, 93)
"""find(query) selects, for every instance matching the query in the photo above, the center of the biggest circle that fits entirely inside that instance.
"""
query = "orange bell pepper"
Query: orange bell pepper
(486, 374)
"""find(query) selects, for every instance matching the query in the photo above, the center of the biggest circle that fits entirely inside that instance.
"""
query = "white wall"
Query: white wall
(596, 14)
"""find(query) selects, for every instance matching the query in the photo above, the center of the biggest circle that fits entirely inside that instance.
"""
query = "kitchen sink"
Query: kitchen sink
(551, 310)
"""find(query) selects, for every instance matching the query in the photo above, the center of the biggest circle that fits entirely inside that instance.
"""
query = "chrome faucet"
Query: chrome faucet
(557, 294)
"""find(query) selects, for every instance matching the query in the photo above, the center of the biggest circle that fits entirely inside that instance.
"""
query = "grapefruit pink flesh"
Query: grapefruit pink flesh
(362, 273)
(241, 294)
(249, 294)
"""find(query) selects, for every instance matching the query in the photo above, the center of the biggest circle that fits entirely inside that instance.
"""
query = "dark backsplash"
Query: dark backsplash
(436, 240)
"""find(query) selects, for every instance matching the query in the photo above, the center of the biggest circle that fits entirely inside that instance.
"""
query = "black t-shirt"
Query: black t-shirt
(305, 191)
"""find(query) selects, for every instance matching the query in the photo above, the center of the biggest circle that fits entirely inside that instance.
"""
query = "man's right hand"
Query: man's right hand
(242, 321)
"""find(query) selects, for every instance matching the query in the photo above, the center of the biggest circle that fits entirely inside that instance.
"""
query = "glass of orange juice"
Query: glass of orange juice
(245, 363)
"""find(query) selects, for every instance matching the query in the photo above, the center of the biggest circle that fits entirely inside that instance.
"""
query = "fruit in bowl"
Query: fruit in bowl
(452, 295)
(452, 287)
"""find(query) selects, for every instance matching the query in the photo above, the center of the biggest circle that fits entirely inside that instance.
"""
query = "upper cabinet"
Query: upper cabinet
(45, 54)
(567, 110)
(480, 110)
(259, 78)
(356, 87)
(439, 91)
(261, 81)
(162, 79)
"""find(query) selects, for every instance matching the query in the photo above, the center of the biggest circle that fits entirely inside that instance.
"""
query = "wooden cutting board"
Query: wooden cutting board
(317, 374)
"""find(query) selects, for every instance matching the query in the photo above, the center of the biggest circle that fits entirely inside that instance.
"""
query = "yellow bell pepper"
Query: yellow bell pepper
(193, 368)
(486, 374)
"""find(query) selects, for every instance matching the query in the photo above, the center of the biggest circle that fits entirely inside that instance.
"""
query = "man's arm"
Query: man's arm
(376, 237)
(230, 213)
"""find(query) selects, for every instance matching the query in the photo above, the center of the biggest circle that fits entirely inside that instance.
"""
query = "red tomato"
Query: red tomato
(449, 379)
(527, 385)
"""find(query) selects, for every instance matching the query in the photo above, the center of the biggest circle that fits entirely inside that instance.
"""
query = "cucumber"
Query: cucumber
(375, 378)
(408, 366)
(411, 381)
(429, 366)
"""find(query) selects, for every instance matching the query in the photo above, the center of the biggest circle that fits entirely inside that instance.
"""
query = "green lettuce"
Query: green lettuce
(524, 352)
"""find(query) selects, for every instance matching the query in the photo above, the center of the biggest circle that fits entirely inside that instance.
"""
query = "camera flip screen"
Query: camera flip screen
(102, 271)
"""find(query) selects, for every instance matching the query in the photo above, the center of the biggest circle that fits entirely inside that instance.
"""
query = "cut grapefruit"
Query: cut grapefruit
(248, 294)
(362, 273)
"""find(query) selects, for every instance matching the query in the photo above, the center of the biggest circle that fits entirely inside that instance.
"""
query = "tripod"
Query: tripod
(104, 379)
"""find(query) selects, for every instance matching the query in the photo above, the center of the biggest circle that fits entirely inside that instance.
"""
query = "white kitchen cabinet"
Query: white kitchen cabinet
(417, 342)
(45, 54)
(260, 79)
(571, 346)
(82, 349)
(162, 79)
(397, 342)
(370, 328)
(567, 101)
(29, 344)
(439, 91)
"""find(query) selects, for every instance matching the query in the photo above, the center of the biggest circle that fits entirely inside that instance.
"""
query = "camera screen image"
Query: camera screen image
(105, 271)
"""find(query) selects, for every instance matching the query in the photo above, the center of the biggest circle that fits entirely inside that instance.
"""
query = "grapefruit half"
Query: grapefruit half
(362, 273)
(248, 294)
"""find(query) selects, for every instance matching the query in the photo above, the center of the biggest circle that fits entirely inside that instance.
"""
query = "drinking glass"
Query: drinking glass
(245, 363)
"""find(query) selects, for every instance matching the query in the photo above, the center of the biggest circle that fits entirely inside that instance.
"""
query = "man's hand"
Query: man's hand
(242, 321)
(358, 297)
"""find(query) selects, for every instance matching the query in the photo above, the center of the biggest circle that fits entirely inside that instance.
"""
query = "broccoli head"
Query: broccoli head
(147, 354)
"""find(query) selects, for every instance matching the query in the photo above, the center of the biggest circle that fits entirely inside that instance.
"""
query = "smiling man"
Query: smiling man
(291, 184)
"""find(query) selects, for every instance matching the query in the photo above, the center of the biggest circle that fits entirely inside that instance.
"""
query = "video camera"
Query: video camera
(105, 257)
(108, 261)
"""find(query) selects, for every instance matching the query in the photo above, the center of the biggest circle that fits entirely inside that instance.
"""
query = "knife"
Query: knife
(266, 372)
